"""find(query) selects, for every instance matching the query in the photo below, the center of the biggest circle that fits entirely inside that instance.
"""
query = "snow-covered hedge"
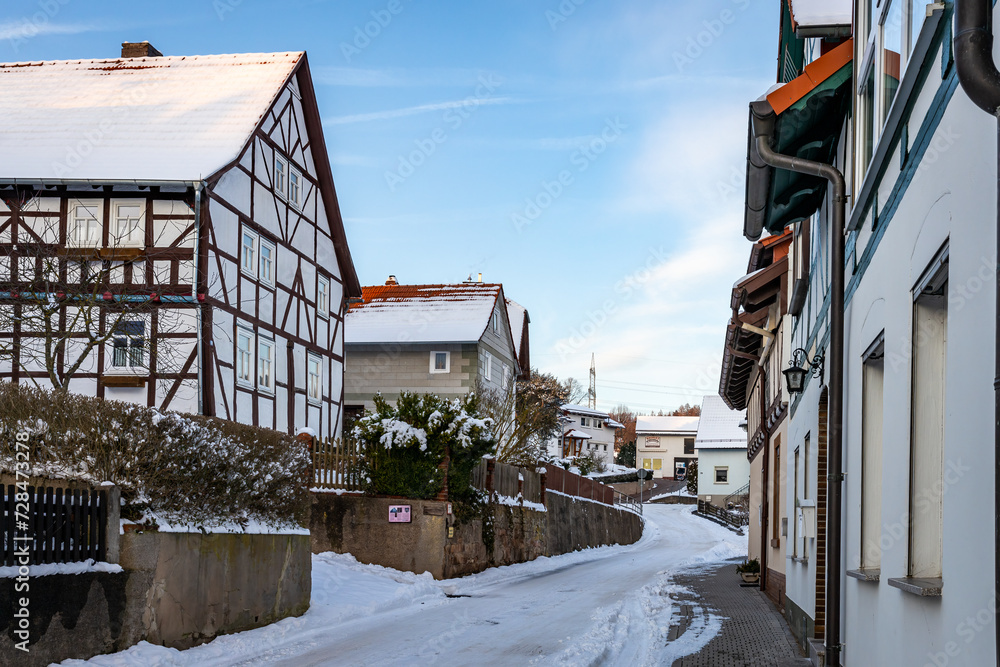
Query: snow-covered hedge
(185, 469)
(404, 446)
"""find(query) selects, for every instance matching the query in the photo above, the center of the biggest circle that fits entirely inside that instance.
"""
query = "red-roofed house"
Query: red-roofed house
(438, 339)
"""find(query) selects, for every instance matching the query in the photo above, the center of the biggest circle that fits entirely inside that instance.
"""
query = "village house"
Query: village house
(889, 110)
(586, 431)
(751, 381)
(176, 223)
(721, 445)
(429, 339)
(665, 445)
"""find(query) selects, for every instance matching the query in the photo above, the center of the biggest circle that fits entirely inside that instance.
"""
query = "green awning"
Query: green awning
(808, 115)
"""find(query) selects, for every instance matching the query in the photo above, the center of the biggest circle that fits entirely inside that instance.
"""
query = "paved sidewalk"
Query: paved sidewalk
(754, 634)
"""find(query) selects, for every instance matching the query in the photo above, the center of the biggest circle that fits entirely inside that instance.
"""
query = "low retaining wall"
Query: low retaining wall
(507, 534)
(178, 590)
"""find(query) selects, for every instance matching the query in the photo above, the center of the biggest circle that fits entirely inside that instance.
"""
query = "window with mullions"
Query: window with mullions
(129, 345)
(892, 30)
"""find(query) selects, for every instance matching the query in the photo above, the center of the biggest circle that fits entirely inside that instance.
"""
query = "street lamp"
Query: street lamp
(795, 374)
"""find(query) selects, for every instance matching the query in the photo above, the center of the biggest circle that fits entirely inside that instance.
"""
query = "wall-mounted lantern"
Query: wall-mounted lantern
(795, 374)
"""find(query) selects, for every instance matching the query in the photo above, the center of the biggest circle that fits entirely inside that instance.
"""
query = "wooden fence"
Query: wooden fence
(507, 480)
(563, 481)
(734, 519)
(56, 525)
(336, 464)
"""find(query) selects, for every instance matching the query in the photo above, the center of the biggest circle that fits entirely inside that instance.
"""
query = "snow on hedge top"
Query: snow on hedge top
(719, 427)
(421, 313)
(165, 118)
(816, 13)
(666, 425)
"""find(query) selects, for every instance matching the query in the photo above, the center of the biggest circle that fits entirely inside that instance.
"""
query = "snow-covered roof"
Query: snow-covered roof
(577, 434)
(821, 13)
(421, 313)
(666, 425)
(582, 410)
(515, 313)
(172, 118)
(719, 426)
(613, 424)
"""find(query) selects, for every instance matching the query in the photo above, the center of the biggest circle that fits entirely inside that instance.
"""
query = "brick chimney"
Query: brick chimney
(139, 50)
(391, 281)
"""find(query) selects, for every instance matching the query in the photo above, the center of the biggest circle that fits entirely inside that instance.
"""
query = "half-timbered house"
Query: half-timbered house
(195, 196)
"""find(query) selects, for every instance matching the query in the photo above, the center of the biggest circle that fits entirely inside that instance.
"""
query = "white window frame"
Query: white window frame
(246, 358)
(130, 368)
(314, 388)
(495, 322)
(872, 411)
(323, 296)
(583, 421)
(294, 191)
(447, 361)
(139, 231)
(268, 345)
(251, 269)
(263, 243)
(488, 366)
(96, 220)
(723, 469)
(281, 176)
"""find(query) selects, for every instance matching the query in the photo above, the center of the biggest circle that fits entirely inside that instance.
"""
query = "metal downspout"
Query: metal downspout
(981, 82)
(763, 128)
(198, 306)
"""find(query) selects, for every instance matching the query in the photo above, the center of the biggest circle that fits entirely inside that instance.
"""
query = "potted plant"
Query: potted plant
(749, 570)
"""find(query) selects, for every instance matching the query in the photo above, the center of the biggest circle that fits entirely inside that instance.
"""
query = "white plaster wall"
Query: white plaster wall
(739, 471)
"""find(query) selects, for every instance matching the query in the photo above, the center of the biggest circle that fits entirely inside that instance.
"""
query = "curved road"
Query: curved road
(611, 610)
(611, 605)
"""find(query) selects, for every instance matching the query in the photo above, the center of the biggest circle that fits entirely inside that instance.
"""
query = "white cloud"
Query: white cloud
(26, 28)
(421, 108)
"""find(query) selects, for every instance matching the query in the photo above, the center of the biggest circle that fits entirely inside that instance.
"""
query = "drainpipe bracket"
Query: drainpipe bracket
(836, 477)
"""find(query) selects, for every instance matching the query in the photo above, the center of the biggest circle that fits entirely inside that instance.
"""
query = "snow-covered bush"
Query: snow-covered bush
(403, 447)
(185, 469)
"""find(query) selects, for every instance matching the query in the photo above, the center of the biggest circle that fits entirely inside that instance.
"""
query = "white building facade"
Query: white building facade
(721, 446)
(665, 445)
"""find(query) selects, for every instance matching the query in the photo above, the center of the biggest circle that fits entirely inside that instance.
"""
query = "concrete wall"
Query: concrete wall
(359, 525)
(177, 590)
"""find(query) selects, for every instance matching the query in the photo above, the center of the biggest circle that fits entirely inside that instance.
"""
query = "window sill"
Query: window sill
(775, 544)
(801, 560)
(124, 380)
(918, 586)
(862, 574)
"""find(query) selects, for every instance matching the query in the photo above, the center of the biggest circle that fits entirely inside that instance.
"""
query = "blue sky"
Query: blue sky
(587, 154)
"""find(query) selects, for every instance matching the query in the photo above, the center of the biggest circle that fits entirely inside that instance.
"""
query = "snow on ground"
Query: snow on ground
(608, 605)
(680, 492)
(44, 570)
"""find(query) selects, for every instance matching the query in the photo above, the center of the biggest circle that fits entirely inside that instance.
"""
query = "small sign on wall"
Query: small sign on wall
(399, 514)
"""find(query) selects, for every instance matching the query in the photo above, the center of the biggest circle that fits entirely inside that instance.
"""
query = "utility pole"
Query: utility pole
(592, 394)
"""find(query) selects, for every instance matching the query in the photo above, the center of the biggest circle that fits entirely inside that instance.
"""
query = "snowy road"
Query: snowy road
(601, 606)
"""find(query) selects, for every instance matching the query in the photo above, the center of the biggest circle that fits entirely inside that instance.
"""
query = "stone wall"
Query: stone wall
(359, 525)
(177, 589)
